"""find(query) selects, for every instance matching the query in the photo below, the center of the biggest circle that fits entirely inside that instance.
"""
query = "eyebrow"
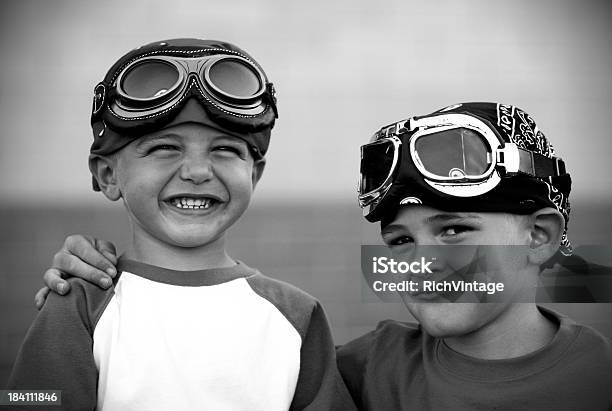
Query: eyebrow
(436, 218)
(231, 138)
(155, 138)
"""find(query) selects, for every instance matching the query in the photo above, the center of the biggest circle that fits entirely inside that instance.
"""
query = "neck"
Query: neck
(519, 330)
(150, 250)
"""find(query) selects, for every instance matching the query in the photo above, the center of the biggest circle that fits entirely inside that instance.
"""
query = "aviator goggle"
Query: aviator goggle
(455, 154)
(152, 85)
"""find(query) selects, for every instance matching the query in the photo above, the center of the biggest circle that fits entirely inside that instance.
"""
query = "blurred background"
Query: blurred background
(342, 69)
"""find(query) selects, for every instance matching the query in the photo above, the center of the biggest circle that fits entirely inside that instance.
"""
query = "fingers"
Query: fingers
(81, 256)
(65, 262)
(107, 249)
(53, 279)
(99, 254)
(40, 297)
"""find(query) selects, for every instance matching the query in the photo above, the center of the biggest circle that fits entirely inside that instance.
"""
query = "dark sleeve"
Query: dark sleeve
(319, 385)
(352, 362)
(57, 353)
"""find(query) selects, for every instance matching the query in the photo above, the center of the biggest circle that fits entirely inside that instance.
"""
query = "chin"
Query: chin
(192, 241)
(189, 236)
(447, 319)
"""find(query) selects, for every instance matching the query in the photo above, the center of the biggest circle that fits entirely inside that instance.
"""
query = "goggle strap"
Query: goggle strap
(545, 166)
(394, 129)
(538, 165)
(516, 160)
(270, 97)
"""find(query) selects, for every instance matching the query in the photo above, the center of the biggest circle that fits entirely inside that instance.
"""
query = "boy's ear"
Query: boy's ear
(547, 225)
(104, 170)
(258, 168)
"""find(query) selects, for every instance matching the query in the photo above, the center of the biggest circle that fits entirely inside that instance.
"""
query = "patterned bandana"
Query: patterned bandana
(518, 127)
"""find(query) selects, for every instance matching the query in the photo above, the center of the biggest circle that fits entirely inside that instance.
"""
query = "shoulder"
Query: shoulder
(296, 305)
(583, 369)
(278, 290)
(590, 341)
(375, 349)
(585, 345)
(388, 333)
(280, 293)
(85, 299)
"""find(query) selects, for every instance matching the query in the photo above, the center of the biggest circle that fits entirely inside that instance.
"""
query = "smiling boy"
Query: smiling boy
(477, 186)
(176, 200)
(181, 128)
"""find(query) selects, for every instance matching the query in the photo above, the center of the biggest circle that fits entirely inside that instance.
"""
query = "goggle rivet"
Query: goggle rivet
(103, 129)
(411, 200)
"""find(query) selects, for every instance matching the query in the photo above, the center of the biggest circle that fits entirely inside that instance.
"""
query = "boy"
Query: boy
(483, 177)
(180, 130)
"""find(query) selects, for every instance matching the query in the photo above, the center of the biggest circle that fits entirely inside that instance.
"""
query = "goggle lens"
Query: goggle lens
(150, 79)
(376, 164)
(234, 78)
(455, 153)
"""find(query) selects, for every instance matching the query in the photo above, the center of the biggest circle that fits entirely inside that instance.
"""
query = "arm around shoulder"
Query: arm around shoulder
(57, 353)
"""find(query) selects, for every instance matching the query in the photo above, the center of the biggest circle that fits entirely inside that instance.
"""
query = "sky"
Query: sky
(342, 69)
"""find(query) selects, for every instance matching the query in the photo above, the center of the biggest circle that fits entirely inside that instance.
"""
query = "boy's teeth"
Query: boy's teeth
(192, 203)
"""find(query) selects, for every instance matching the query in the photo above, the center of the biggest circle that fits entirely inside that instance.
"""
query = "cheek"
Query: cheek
(507, 232)
(506, 263)
(138, 184)
(147, 172)
(237, 179)
(460, 258)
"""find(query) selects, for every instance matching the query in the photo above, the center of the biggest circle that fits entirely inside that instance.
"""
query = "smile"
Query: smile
(192, 203)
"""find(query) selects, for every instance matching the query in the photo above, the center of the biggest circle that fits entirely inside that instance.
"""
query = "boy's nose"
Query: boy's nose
(196, 169)
(434, 255)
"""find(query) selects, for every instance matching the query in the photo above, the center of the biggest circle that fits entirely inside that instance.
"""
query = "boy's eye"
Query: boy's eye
(400, 240)
(455, 230)
(230, 149)
(162, 148)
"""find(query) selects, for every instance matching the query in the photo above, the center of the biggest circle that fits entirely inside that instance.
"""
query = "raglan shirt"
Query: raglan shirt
(400, 367)
(218, 339)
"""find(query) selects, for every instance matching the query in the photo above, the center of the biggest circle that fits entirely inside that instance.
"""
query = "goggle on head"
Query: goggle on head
(154, 84)
(453, 153)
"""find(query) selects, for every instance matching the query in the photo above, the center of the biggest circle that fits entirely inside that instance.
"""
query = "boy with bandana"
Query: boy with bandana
(181, 128)
(477, 186)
